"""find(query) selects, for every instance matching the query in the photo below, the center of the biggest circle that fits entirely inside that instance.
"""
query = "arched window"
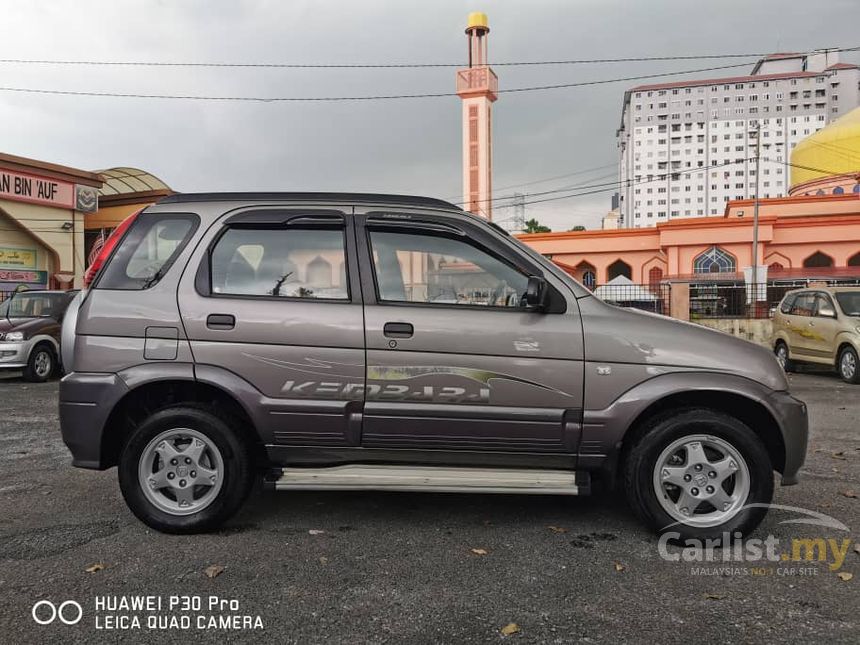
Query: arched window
(319, 273)
(655, 274)
(820, 191)
(838, 190)
(775, 266)
(617, 268)
(586, 274)
(818, 259)
(714, 260)
(857, 188)
(854, 260)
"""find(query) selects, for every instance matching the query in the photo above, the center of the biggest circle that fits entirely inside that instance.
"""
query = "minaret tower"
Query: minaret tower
(477, 85)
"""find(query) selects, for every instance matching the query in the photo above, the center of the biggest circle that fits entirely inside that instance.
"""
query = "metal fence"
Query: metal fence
(648, 297)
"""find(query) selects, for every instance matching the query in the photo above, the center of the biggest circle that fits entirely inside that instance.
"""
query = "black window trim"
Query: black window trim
(276, 219)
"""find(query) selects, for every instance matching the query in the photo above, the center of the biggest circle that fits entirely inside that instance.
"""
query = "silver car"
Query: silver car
(354, 341)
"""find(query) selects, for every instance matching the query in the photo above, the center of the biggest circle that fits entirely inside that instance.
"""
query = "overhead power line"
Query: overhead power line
(260, 65)
(574, 61)
(379, 97)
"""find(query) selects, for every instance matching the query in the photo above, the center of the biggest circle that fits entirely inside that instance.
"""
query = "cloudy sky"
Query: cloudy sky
(404, 146)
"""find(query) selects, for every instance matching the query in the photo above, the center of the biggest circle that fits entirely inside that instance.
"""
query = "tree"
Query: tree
(578, 227)
(534, 226)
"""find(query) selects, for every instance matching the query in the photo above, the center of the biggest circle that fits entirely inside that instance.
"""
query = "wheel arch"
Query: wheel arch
(752, 413)
(150, 396)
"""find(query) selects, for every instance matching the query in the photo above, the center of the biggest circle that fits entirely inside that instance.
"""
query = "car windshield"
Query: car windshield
(32, 305)
(849, 301)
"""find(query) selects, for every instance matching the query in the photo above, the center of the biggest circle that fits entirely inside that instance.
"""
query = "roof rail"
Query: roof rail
(363, 198)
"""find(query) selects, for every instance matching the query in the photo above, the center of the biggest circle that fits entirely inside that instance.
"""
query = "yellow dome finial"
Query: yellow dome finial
(477, 20)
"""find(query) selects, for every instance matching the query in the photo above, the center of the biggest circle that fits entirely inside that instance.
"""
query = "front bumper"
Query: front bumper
(86, 401)
(793, 420)
(14, 355)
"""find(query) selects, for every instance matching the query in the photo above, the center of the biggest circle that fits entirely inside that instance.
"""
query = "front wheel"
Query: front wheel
(40, 364)
(699, 473)
(781, 352)
(849, 365)
(184, 470)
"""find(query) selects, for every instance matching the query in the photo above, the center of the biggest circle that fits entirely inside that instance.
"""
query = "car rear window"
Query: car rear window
(148, 250)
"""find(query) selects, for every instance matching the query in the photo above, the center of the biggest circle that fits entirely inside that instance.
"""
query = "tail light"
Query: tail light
(108, 247)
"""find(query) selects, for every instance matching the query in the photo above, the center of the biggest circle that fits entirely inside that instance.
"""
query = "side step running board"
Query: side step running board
(433, 478)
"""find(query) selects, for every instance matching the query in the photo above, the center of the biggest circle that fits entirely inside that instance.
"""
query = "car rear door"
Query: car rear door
(822, 341)
(275, 307)
(454, 362)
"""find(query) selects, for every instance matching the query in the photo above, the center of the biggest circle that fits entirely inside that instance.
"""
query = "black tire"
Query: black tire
(237, 480)
(848, 352)
(640, 459)
(34, 372)
(788, 364)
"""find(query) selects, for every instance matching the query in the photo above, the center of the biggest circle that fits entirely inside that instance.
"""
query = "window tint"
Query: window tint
(804, 305)
(785, 307)
(849, 302)
(147, 251)
(286, 263)
(436, 269)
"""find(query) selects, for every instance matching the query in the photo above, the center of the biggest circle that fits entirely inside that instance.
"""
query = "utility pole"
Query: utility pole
(519, 219)
(755, 212)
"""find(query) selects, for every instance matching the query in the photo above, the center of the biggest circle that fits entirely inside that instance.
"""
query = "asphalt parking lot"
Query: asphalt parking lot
(415, 568)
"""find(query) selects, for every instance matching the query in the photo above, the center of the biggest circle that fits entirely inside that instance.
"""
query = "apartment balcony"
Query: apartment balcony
(473, 81)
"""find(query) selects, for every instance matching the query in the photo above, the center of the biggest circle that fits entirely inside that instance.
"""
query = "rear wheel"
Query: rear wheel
(184, 470)
(699, 473)
(40, 364)
(781, 351)
(848, 365)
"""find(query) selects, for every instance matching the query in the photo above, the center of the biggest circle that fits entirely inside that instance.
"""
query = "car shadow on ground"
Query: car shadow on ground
(374, 509)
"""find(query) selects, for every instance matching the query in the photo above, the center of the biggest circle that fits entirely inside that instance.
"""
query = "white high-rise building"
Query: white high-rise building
(688, 147)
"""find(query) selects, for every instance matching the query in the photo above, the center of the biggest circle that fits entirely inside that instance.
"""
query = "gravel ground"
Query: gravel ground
(370, 567)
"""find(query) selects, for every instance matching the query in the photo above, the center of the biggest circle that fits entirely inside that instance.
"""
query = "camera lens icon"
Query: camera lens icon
(69, 612)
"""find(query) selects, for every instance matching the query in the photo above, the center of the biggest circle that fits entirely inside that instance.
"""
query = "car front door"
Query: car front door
(275, 303)
(454, 360)
(824, 326)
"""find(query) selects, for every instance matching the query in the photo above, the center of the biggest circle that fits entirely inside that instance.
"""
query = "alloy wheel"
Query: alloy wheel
(848, 365)
(701, 480)
(181, 471)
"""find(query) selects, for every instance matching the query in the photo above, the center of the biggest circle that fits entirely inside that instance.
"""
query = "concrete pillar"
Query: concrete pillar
(679, 305)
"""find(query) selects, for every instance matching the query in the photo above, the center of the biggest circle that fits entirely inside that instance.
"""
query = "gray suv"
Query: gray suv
(356, 341)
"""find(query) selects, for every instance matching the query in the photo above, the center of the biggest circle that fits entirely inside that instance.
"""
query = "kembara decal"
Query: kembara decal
(394, 383)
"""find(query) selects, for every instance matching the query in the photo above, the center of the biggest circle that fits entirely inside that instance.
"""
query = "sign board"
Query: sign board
(36, 190)
(17, 258)
(10, 278)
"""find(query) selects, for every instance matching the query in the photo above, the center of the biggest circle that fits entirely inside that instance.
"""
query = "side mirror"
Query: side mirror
(537, 294)
(827, 312)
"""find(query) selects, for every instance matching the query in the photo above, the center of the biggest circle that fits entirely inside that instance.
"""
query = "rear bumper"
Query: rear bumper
(793, 420)
(86, 401)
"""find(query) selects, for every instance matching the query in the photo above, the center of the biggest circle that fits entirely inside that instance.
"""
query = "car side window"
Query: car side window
(823, 301)
(785, 307)
(804, 305)
(280, 262)
(438, 269)
(148, 250)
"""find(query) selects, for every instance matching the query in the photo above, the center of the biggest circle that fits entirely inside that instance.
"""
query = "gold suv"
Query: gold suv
(820, 325)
